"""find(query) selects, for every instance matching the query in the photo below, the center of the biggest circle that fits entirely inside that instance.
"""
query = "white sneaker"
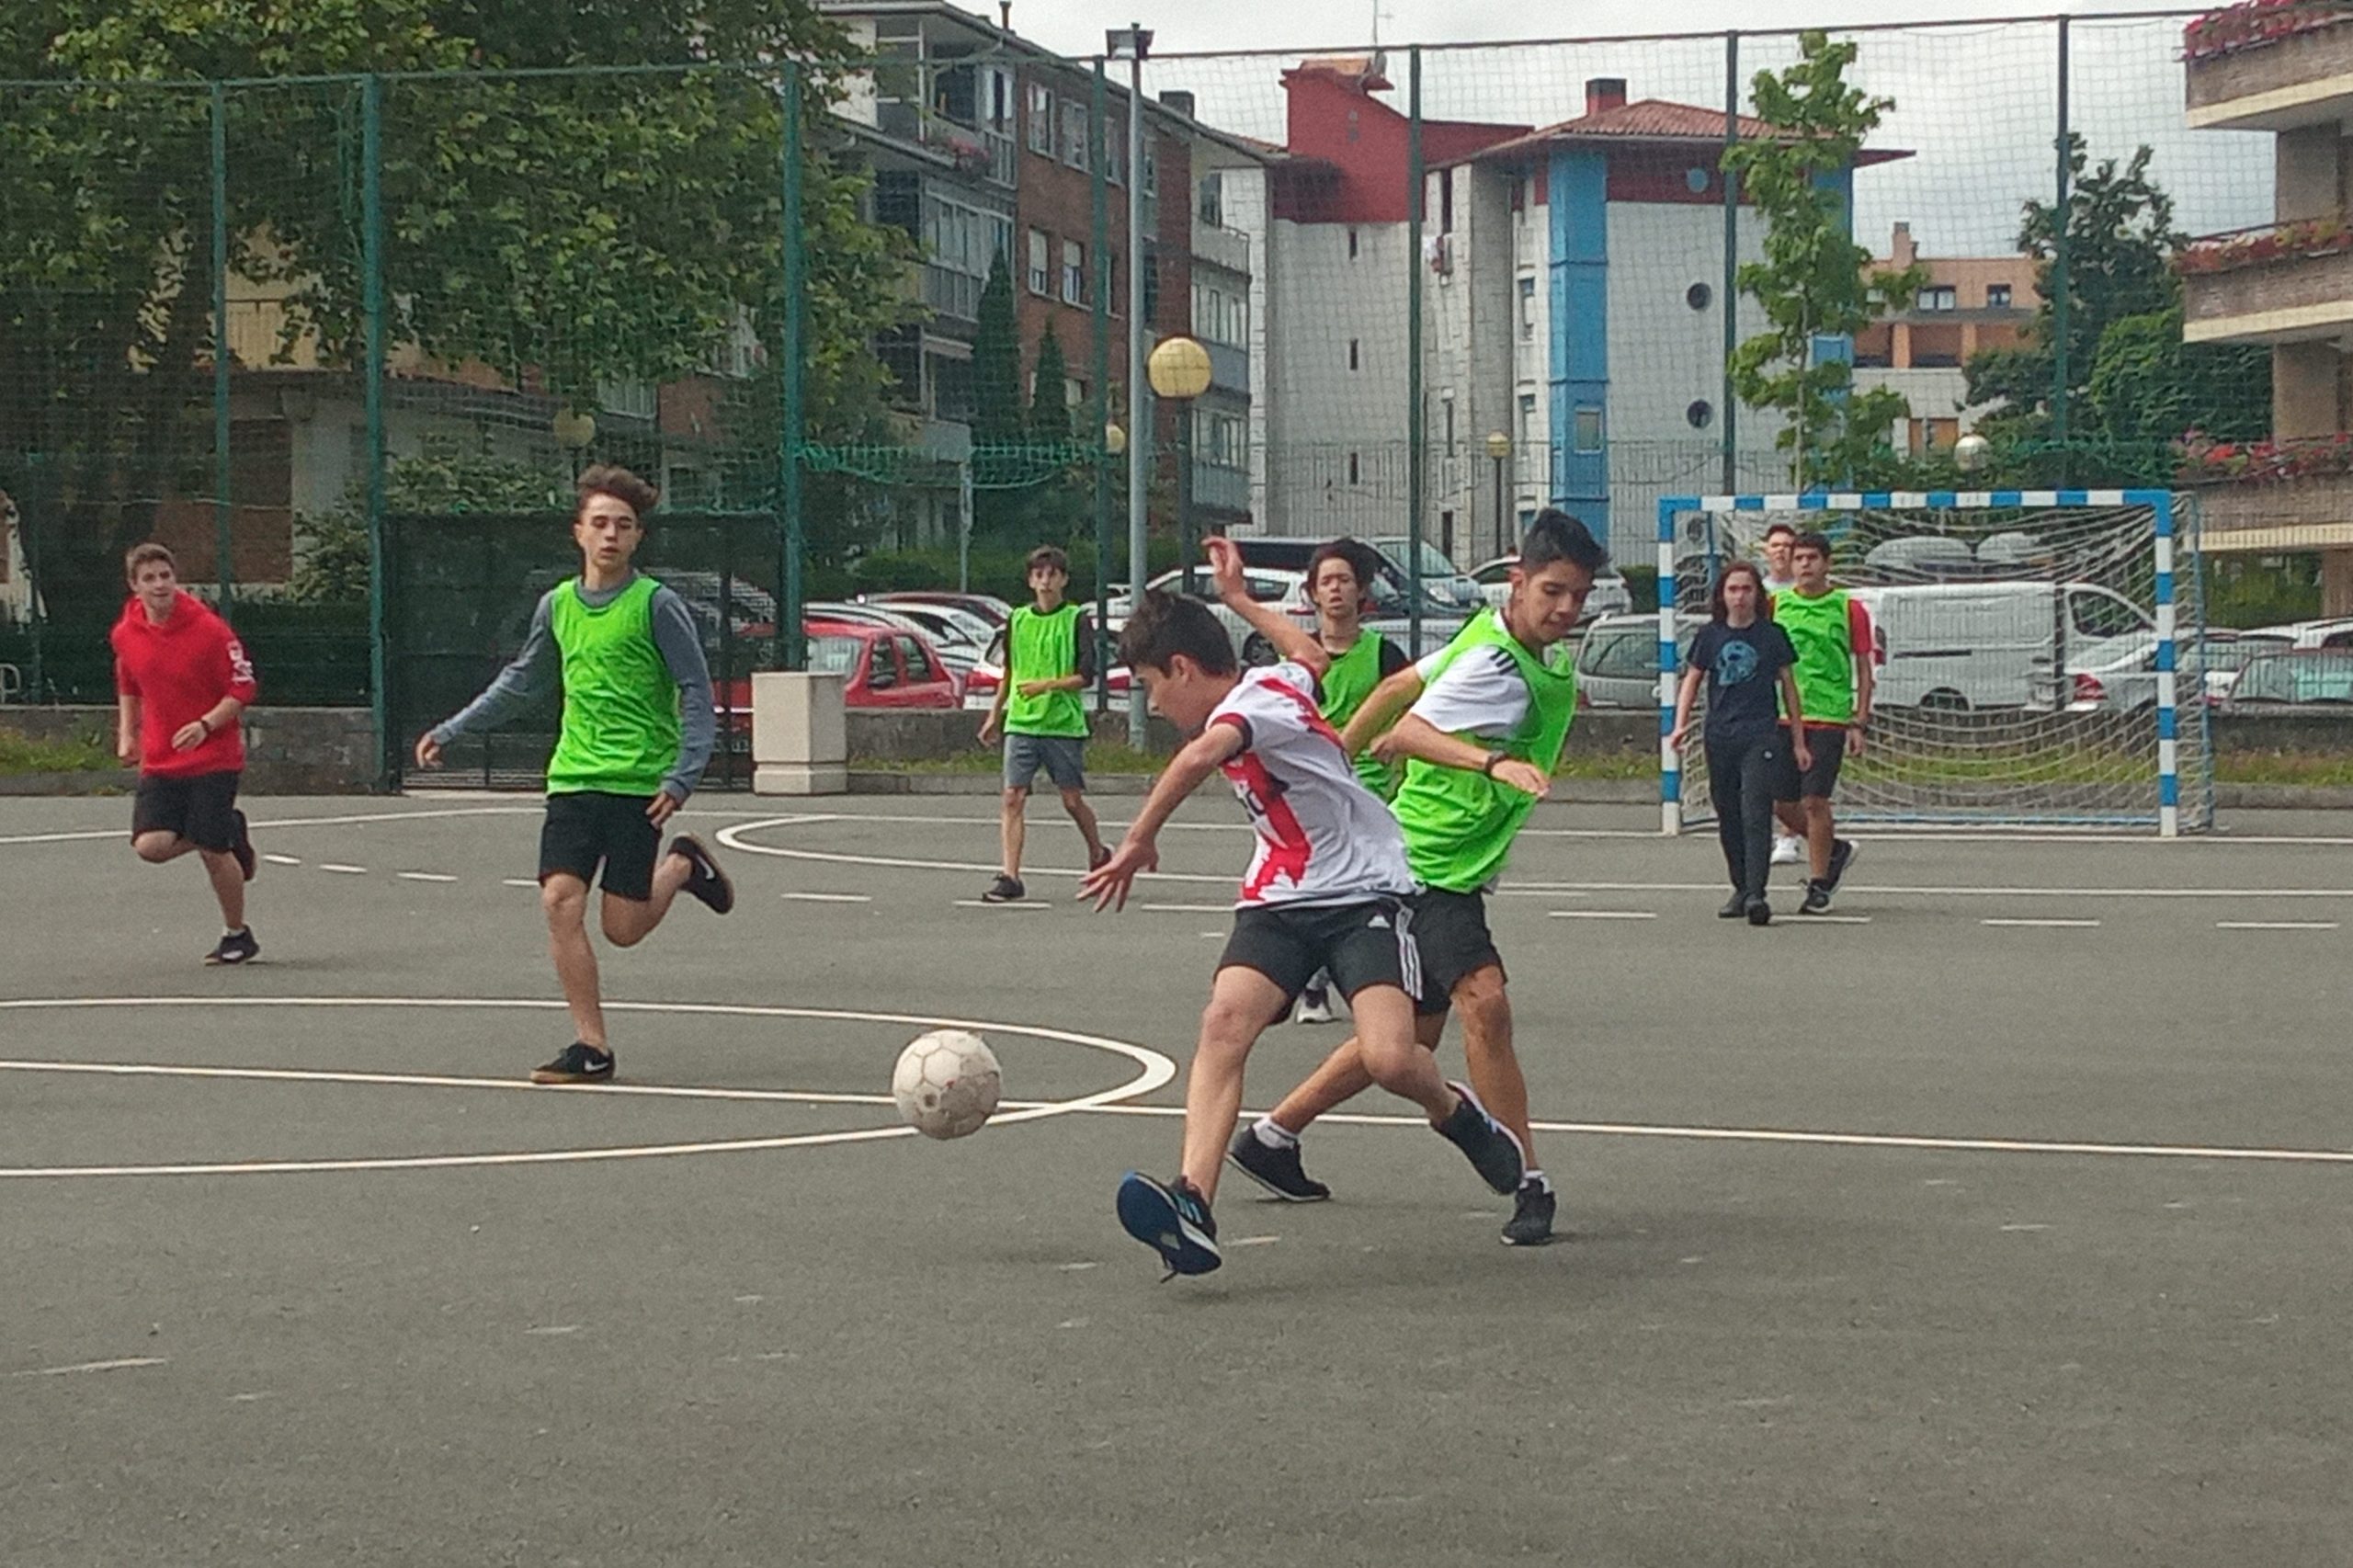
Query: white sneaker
(1788, 851)
(1315, 1007)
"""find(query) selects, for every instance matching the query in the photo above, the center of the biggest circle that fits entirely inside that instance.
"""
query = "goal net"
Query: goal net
(2039, 658)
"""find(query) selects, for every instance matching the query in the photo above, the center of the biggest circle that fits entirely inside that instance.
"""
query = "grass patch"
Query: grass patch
(2313, 769)
(21, 753)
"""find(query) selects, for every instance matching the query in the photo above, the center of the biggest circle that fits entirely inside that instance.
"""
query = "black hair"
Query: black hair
(1360, 558)
(1812, 541)
(1717, 610)
(1166, 625)
(1552, 536)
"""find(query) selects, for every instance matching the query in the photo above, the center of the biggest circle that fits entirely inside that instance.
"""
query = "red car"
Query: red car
(886, 666)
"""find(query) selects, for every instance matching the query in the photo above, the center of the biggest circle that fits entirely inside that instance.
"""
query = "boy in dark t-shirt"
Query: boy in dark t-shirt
(1744, 658)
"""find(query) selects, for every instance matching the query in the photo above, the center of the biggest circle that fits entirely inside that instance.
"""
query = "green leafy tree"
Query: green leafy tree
(1059, 503)
(445, 475)
(557, 234)
(1815, 280)
(2133, 386)
(998, 402)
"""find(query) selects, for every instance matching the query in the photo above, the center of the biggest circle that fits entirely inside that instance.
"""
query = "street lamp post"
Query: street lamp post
(1115, 442)
(1134, 43)
(1179, 371)
(1499, 450)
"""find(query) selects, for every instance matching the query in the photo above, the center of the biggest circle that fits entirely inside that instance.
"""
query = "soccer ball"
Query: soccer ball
(1972, 450)
(947, 1084)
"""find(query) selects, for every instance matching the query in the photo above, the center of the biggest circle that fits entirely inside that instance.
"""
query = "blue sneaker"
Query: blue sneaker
(1172, 1222)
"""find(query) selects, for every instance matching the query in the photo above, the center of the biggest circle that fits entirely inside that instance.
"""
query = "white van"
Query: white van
(1958, 647)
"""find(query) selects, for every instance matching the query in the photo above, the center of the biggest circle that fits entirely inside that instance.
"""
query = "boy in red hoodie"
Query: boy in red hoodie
(182, 678)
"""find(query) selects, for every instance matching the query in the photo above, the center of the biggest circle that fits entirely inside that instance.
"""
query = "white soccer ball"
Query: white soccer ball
(947, 1084)
(1972, 450)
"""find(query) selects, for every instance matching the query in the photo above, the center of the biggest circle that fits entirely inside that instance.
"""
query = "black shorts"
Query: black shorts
(1452, 930)
(1362, 944)
(1818, 782)
(201, 809)
(589, 827)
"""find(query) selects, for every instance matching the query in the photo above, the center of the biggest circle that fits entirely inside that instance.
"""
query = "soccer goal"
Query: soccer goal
(2040, 658)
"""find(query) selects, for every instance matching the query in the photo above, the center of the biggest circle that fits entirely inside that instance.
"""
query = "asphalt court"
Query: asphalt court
(2025, 1181)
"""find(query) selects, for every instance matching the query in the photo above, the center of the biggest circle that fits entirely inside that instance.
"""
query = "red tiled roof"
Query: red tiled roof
(1651, 120)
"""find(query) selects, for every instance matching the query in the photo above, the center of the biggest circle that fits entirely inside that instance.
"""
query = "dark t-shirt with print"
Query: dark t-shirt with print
(1744, 665)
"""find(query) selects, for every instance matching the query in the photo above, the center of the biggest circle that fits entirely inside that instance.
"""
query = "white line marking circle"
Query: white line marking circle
(1154, 1071)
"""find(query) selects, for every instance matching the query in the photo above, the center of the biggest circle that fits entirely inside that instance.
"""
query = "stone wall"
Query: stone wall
(288, 751)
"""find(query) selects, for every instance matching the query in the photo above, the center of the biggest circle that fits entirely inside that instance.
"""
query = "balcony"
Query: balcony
(1221, 489)
(1229, 249)
(2280, 283)
(955, 296)
(2269, 66)
(1228, 367)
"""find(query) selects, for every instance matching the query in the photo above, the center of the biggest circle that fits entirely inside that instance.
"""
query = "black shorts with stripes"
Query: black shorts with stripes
(1451, 928)
(1362, 944)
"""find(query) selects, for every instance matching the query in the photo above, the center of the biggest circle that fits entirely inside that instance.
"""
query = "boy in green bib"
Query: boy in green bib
(637, 728)
(1339, 584)
(1488, 716)
(1832, 635)
(1041, 707)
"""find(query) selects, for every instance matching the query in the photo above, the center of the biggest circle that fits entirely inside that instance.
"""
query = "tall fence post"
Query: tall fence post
(1416, 415)
(1099, 438)
(372, 243)
(1729, 409)
(2060, 283)
(791, 649)
(223, 533)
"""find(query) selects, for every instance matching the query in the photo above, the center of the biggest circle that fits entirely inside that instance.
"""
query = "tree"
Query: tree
(2132, 387)
(1059, 503)
(562, 234)
(1815, 280)
(444, 475)
(997, 402)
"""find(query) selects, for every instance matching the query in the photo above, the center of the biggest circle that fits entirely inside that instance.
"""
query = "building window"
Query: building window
(1695, 181)
(1352, 468)
(1073, 273)
(1699, 415)
(1447, 401)
(1114, 156)
(1699, 296)
(1073, 392)
(1939, 297)
(1151, 175)
(1997, 296)
(1528, 310)
(1210, 205)
(1075, 135)
(1352, 245)
(1526, 420)
(1446, 202)
(1588, 431)
(1040, 282)
(1041, 119)
(1354, 361)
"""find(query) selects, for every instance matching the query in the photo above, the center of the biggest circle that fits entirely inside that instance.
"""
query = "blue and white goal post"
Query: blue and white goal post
(2035, 650)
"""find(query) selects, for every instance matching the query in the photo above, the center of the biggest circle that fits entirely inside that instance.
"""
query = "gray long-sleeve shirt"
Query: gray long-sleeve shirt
(541, 662)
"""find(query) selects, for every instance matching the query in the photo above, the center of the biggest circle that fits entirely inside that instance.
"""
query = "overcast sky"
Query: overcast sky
(1975, 105)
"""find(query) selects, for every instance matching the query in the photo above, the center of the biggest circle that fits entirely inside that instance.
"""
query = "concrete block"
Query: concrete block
(800, 733)
(800, 778)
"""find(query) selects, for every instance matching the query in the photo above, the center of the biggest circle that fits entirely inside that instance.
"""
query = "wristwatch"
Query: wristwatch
(1494, 757)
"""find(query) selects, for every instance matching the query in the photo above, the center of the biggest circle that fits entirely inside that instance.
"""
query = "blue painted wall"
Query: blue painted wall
(1579, 191)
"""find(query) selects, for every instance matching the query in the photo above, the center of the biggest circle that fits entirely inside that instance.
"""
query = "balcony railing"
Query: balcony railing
(2269, 66)
(2276, 283)
(956, 295)
(1229, 249)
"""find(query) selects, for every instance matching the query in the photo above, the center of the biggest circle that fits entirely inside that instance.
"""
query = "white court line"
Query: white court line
(2069, 925)
(1154, 1071)
(425, 877)
(2275, 925)
(1185, 908)
(116, 1365)
(1543, 890)
(1803, 919)
(517, 883)
(1601, 914)
(346, 871)
(295, 821)
(830, 897)
(283, 859)
(1003, 904)
(732, 838)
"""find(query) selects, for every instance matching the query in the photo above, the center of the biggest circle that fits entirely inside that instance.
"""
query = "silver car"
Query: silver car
(1610, 595)
(1618, 662)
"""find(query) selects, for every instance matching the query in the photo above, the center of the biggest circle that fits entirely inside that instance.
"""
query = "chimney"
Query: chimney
(1004, 15)
(1901, 250)
(1604, 93)
(1180, 100)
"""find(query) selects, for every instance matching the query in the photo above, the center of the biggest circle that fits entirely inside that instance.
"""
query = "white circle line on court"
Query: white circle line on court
(733, 838)
(1154, 1071)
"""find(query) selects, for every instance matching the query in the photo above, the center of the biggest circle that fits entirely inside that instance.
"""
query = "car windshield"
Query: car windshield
(2294, 678)
(833, 655)
(1624, 652)
(2232, 653)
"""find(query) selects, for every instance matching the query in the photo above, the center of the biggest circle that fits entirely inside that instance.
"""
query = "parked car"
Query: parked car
(2335, 633)
(1442, 579)
(2226, 652)
(1618, 662)
(1958, 647)
(2304, 679)
(961, 636)
(1286, 588)
(1611, 595)
(988, 607)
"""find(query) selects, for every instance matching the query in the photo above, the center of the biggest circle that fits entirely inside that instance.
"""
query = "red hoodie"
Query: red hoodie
(178, 670)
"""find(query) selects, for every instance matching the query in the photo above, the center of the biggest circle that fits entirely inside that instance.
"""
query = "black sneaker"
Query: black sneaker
(235, 948)
(1842, 855)
(1531, 1216)
(1759, 912)
(706, 880)
(1005, 890)
(578, 1063)
(1275, 1169)
(1817, 898)
(1494, 1152)
(1734, 907)
(1172, 1221)
(244, 848)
